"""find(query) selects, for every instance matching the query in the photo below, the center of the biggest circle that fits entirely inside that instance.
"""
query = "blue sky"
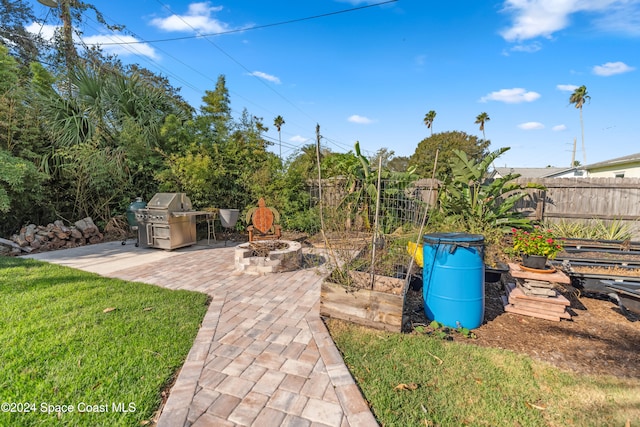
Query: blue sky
(371, 74)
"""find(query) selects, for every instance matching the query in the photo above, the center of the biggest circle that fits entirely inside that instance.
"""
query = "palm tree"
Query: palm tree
(578, 97)
(278, 122)
(480, 120)
(428, 120)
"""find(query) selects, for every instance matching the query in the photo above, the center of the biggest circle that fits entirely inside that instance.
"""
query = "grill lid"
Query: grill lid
(173, 202)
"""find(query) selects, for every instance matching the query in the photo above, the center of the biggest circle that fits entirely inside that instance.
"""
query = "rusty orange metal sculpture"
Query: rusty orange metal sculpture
(263, 221)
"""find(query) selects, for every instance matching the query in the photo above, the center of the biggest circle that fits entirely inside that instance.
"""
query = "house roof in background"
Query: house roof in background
(612, 162)
(532, 172)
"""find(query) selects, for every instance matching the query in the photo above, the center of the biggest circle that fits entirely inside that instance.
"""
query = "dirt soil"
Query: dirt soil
(598, 340)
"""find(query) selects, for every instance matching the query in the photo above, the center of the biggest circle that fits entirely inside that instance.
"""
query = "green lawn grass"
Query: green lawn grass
(74, 341)
(456, 384)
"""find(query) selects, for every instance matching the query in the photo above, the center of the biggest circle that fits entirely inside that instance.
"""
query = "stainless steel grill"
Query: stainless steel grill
(168, 222)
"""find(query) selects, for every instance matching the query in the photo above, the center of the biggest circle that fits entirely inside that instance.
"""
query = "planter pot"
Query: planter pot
(537, 262)
(228, 217)
(494, 274)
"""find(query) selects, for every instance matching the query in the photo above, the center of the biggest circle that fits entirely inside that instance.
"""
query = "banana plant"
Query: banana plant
(362, 191)
(469, 196)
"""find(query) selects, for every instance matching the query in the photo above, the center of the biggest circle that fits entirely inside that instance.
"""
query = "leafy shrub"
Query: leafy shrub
(307, 221)
(597, 229)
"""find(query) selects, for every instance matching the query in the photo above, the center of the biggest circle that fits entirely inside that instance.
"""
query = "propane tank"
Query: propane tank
(131, 211)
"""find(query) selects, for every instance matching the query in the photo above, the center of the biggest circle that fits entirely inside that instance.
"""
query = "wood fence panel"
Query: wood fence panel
(584, 198)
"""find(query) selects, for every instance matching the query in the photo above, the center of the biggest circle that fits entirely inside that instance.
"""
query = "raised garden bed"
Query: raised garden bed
(628, 294)
(584, 244)
(601, 256)
(380, 307)
(374, 300)
(590, 276)
(590, 262)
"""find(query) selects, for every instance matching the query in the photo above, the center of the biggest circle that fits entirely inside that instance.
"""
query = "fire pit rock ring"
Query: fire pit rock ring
(268, 256)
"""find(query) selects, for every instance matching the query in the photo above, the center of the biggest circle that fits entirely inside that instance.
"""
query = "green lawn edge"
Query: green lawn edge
(83, 350)
(419, 380)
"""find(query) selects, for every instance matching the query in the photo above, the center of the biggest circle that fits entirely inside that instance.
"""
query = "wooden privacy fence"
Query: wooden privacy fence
(583, 199)
(578, 199)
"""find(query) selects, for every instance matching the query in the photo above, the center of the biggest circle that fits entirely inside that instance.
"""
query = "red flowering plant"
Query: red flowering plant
(539, 241)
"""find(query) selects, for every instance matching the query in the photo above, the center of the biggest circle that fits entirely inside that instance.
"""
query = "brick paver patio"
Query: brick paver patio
(263, 357)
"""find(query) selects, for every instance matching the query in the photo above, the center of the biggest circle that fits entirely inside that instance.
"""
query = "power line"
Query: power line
(249, 72)
(261, 81)
(205, 36)
(175, 76)
(156, 64)
(255, 27)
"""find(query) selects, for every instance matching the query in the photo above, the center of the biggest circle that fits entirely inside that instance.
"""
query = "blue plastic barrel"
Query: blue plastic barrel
(453, 279)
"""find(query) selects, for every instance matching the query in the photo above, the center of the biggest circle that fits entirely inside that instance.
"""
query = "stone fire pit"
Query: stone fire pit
(268, 256)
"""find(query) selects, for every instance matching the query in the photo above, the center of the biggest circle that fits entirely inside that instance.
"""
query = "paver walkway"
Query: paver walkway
(263, 357)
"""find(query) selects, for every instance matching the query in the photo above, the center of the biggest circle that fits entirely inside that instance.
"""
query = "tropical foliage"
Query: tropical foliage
(470, 197)
(428, 120)
(578, 98)
(597, 229)
(92, 135)
(361, 187)
(481, 119)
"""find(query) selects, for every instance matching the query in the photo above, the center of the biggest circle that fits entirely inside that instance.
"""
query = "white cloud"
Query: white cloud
(511, 96)
(527, 48)
(611, 68)
(298, 138)
(559, 128)
(45, 31)
(198, 18)
(268, 77)
(142, 49)
(360, 119)
(567, 88)
(542, 18)
(621, 18)
(531, 126)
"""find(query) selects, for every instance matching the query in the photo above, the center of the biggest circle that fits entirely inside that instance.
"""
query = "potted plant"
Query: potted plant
(536, 246)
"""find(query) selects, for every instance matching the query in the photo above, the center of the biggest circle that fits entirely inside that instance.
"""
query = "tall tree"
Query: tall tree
(278, 122)
(428, 120)
(217, 108)
(389, 160)
(73, 15)
(15, 16)
(383, 153)
(481, 119)
(446, 143)
(398, 164)
(578, 98)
